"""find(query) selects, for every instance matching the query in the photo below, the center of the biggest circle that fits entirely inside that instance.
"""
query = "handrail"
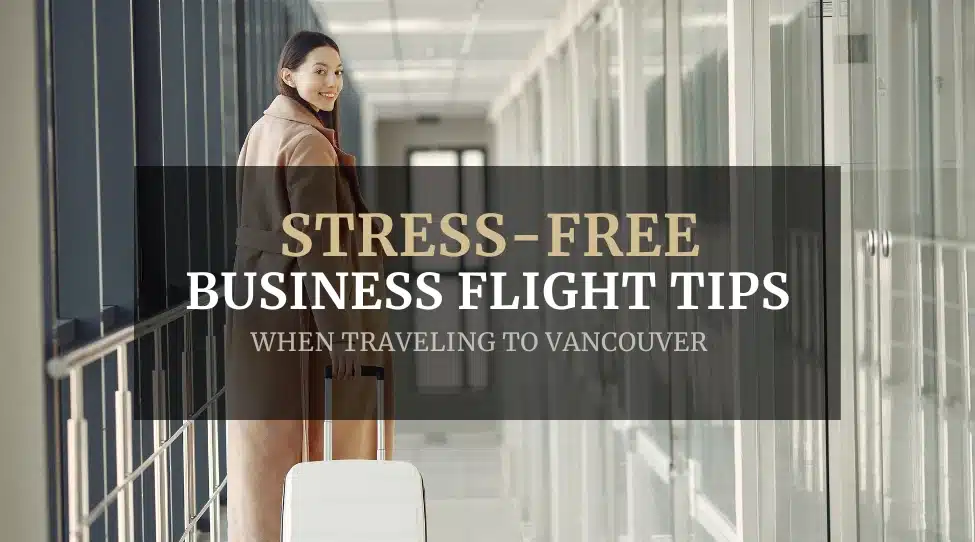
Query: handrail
(61, 366)
(99, 510)
(68, 366)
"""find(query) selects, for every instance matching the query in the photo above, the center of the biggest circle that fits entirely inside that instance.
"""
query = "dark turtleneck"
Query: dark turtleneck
(320, 115)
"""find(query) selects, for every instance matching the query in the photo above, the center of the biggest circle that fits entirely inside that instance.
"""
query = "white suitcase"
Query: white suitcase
(354, 500)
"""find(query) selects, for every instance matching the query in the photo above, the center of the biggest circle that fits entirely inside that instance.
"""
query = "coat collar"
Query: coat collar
(284, 107)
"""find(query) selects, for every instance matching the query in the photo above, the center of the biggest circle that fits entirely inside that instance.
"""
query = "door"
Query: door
(911, 129)
(450, 380)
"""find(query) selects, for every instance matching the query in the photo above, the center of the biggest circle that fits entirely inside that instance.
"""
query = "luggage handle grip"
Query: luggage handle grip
(366, 370)
(379, 373)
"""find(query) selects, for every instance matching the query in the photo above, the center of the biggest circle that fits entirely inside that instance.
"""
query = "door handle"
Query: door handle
(870, 243)
(885, 244)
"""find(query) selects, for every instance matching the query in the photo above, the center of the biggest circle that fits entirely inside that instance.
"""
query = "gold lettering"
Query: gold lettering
(455, 234)
(637, 233)
(607, 236)
(412, 234)
(558, 234)
(676, 234)
(369, 237)
(487, 232)
(296, 234)
(334, 241)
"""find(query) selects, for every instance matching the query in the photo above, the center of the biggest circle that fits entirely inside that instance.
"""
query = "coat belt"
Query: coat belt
(265, 240)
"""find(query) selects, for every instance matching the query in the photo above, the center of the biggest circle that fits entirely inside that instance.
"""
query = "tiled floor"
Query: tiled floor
(463, 479)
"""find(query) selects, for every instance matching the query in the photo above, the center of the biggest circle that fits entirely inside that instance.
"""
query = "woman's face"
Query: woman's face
(319, 78)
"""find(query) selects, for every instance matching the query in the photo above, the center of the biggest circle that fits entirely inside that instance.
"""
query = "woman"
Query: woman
(275, 396)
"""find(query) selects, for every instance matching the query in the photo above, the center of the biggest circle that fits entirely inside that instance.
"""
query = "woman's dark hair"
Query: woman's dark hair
(293, 55)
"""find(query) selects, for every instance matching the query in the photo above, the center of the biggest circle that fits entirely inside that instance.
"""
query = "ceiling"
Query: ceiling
(447, 57)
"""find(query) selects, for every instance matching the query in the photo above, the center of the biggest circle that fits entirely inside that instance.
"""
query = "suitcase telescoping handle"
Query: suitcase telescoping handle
(366, 371)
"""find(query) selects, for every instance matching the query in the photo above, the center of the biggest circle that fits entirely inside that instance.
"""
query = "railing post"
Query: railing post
(213, 443)
(123, 446)
(160, 434)
(189, 448)
(77, 459)
(79, 515)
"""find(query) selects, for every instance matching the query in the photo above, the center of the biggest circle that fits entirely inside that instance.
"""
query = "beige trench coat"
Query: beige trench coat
(270, 393)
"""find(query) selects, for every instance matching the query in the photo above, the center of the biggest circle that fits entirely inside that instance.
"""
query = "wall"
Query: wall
(146, 83)
(23, 503)
(394, 137)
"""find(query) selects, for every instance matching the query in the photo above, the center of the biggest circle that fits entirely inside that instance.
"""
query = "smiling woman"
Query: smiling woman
(311, 73)
(291, 162)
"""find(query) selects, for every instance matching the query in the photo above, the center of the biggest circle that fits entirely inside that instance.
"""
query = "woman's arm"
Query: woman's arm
(312, 178)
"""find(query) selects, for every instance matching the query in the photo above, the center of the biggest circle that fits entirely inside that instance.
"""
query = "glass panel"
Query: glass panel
(587, 55)
(797, 82)
(608, 65)
(915, 482)
(474, 194)
(476, 325)
(952, 85)
(704, 108)
(440, 371)
(865, 223)
(908, 339)
(434, 190)
(455, 183)
(799, 473)
(565, 83)
(653, 518)
(704, 67)
(651, 49)
(534, 126)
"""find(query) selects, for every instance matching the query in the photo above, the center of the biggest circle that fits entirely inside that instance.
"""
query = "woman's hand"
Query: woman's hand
(345, 363)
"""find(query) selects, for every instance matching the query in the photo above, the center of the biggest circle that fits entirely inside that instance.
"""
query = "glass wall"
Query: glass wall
(748, 83)
(704, 82)
(913, 134)
(608, 71)
(708, 445)
(652, 82)
(562, 126)
(796, 139)
(672, 61)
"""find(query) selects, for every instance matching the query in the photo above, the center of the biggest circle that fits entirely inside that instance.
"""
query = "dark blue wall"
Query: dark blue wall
(146, 83)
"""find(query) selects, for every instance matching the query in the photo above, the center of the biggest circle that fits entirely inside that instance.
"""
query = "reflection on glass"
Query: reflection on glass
(434, 189)
(608, 65)
(473, 192)
(704, 68)
(651, 51)
(441, 371)
(704, 99)
(916, 484)
(535, 122)
(562, 125)
(590, 91)
(799, 472)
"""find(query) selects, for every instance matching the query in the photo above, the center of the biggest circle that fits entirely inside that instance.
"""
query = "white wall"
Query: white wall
(394, 137)
(23, 465)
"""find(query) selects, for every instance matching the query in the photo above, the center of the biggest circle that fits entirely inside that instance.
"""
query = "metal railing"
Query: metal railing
(914, 388)
(117, 507)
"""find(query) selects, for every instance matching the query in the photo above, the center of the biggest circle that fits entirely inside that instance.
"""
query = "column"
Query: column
(24, 512)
